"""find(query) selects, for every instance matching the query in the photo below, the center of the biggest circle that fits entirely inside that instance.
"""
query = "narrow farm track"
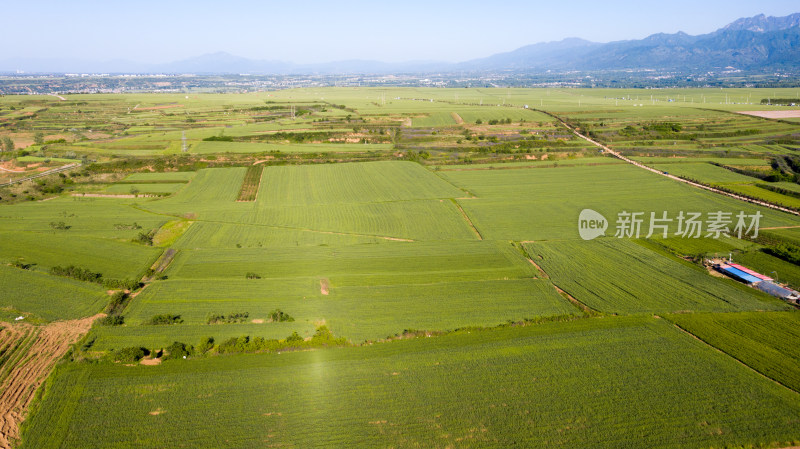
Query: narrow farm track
(673, 177)
(469, 222)
(32, 352)
(44, 173)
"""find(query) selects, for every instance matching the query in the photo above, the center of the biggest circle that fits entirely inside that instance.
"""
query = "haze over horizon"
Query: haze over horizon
(320, 32)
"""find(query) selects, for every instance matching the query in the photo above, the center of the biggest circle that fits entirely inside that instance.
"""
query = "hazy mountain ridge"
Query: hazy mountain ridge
(755, 44)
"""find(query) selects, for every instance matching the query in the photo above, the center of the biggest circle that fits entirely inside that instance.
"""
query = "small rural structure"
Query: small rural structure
(758, 280)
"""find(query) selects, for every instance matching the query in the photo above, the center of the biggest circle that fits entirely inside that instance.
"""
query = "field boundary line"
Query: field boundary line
(586, 309)
(666, 175)
(466, 217)
(687, 332)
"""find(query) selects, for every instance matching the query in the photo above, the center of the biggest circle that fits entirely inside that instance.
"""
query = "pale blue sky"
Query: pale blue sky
(322, 31)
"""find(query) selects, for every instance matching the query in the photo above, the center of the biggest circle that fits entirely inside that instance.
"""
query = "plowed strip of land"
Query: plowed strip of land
(252, 179)
(28, 368)
(773, 114)
(457, 117)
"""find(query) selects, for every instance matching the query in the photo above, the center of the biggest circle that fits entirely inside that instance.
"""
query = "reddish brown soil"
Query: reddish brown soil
(324, 287)
(29, 371)
(773, 114)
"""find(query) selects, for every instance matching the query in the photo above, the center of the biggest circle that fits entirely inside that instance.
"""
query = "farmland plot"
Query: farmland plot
(619, 276)
(557, 384)
(545, 203)
(767, 342)
(357, 312)
(49, 297)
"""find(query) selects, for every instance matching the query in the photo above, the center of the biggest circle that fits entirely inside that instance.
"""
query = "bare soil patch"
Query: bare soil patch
(542, 272)
(773, 114)
(150, 362)
(258, 321)
(153, 108)
(457, 118)
(29, 371)
(324, 287)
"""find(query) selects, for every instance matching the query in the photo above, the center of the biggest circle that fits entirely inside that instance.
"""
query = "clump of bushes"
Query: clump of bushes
(322, 337)
(229, 319)
(124, 284)
(145, 238)
(279, 316)
(22, 265)
(111, 320)
(252, 276)
(81, 274)
(164, 319)
(59, 225)
(178, 350)
(206, 344)
(218, 139)
(87, 275)
(129, 355)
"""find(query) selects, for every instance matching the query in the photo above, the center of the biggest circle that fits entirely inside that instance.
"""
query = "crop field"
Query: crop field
(49, 297)
(544, 204)
(112, 258)
(704, 172)
(641, 281)
(395, 267)
(357, 313)
(247, 147)
(564, 384)
(755, 191)
(230, 235)
(434, 119)
(352, 183)
(765, 342)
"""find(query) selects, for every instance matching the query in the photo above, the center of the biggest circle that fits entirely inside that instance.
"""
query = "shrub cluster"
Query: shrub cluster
(81, 274)
(229, 319)
(322, 337)
(164, 319)
(129, 355)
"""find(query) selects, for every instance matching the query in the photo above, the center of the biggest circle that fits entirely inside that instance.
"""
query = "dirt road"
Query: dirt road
(659, 172)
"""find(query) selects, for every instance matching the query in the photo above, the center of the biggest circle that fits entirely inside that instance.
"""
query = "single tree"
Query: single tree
(8, 144)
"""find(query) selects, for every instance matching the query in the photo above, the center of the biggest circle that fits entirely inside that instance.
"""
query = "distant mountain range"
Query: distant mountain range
(757, 43)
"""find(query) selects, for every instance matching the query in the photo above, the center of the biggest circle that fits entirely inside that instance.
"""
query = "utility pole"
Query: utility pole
(183, 143)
